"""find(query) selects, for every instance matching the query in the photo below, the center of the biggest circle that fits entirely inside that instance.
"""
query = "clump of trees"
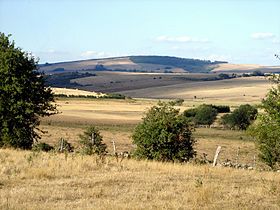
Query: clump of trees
(164, 135)
(24, 97)
(240, 118)
(205, 114)
(266, 129)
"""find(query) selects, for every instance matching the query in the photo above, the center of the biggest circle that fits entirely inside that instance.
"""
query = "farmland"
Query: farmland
(31, 180)
(38, 180)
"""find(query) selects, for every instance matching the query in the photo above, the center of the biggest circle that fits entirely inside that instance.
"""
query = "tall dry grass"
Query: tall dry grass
(58, 181)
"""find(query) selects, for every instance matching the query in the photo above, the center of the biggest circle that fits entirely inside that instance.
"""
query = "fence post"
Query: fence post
(114, 147)
(61, 144)
(92, 139)
(216, 155)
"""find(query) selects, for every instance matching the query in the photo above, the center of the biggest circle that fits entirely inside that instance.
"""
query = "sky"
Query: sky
(237, 31)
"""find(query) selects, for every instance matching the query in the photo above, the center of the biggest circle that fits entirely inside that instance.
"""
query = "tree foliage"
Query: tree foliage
(92, 142)
(204, 114)
(266, 130)
(23, 96)
(241, 117)
(164, 135)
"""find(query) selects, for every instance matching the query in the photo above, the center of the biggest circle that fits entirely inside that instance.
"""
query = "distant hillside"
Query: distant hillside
(244, 68)
(189, 65)
(159, 64)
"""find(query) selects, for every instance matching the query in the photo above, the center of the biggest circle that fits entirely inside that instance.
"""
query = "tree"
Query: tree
(164, 135)
(23, 96)
(266, 129)
(92, 142)
(241, 117)
(205, 115)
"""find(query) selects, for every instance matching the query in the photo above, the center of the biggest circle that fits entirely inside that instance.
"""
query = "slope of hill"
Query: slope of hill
(244, 68)
(133, 64)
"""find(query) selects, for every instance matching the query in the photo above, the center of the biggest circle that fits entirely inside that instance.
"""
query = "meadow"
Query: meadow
(38, 180)
(58, 181)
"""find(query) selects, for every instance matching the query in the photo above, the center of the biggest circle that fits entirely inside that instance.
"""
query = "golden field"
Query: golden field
(55, 181)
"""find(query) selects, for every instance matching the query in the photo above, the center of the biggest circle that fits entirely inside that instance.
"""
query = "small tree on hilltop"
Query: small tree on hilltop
(23, 96)
(164, 135)
(92, 142)
(266, 129)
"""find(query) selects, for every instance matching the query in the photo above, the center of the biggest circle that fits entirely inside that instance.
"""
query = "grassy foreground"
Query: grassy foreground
(56, 181)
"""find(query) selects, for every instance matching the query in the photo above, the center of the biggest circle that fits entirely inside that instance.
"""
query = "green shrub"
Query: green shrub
(266, 129)
(190, 113)
(177, 102)
(221, 108)
(42, 147)
(164, 135)
(92, 142)
(240, 118)
(205, 115)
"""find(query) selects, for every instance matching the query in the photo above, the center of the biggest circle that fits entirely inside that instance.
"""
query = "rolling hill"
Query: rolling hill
(155, 64)
(152, 76)
(134, 64)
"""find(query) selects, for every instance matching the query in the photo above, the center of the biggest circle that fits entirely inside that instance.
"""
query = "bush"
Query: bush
(177, 102)
(42, 147)
(221, 108)
(257, 73)
(240, 118)
(266, 130)
(91, 142)
(164, 135)
(190, 113)
(205, 115)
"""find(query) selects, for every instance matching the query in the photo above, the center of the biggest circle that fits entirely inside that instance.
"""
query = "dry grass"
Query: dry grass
(52, 181)
(100, 111)
(117, 119)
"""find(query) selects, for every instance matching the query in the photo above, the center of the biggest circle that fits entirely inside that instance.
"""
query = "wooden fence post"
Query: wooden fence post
(114, 147)
(61, 144)
(216, 155)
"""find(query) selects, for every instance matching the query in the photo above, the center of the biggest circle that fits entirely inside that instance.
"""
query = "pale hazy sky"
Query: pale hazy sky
(238, 31)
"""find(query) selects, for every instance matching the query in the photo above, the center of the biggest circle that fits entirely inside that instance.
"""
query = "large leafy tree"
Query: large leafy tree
(164, 135)
(23, 96)
(266, 129)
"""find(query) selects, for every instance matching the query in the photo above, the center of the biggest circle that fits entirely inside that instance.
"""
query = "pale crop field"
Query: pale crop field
(76, 92)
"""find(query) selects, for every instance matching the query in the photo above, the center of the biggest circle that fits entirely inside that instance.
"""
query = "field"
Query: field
(30, 180)
(55, 181)
(185, 86)
(239, 90)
